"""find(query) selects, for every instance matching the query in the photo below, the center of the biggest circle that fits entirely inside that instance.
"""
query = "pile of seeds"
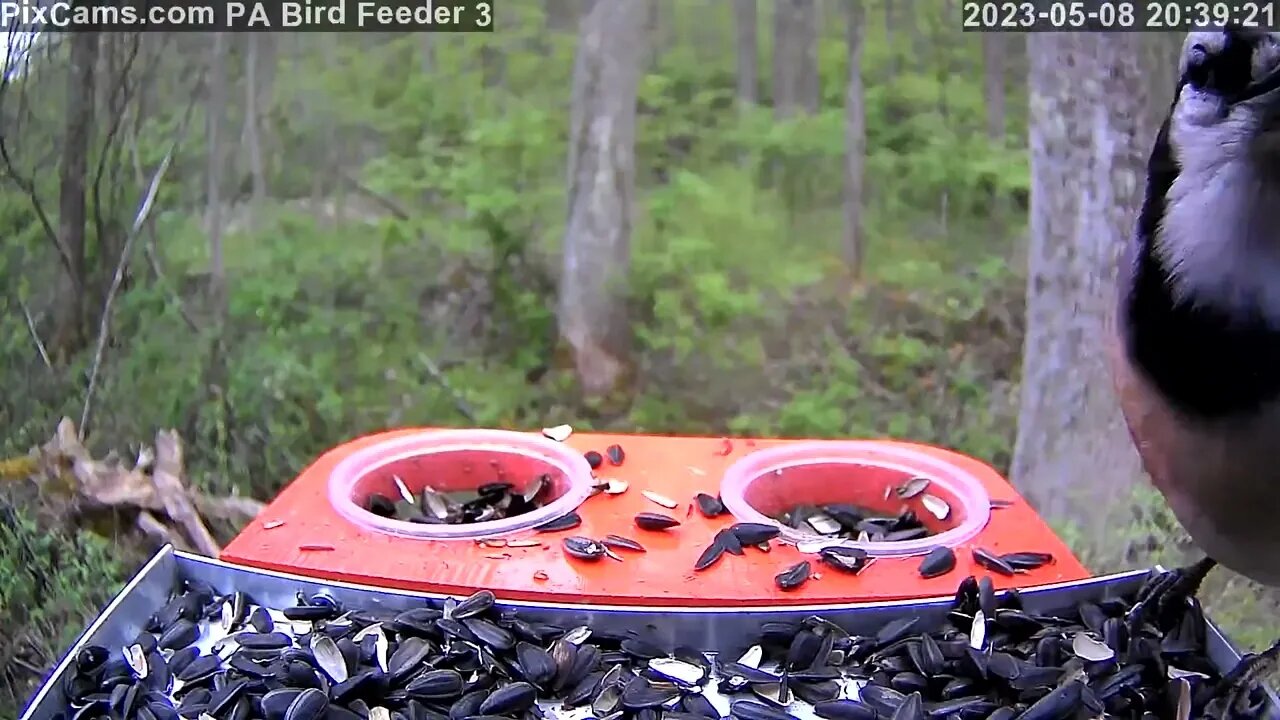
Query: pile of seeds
(844, 520)
(492, 501)
(205, 655)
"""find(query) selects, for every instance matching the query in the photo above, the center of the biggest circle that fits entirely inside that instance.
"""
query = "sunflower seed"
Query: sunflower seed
(1026, 560)
(662, 500)
(911, 488)
(939, 562)
(1087, 648)
(583, 548)
(992, 562)
(710, 556)
(615, 454)
(754, 533)
(936, 506)
(617, 541)
(568, 521)
(403, 490)
(655, 521)
(559, 433)
(794, 576)
(709, 505)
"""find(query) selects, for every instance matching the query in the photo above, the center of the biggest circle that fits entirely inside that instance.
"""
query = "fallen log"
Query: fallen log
(153, 485)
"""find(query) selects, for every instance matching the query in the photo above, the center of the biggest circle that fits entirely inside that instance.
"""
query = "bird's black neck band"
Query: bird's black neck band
(1208, 362)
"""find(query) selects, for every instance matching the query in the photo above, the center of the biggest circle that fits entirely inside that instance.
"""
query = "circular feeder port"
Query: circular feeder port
(454, 466)
(868, 475)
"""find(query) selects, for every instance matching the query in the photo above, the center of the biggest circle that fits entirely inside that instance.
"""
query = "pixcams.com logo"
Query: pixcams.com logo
(65, 15)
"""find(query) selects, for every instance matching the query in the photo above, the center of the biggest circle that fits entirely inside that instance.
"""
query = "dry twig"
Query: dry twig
(35, 336)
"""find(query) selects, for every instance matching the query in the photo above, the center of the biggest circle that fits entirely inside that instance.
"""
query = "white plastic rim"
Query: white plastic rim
(571, 465)
(957, 482)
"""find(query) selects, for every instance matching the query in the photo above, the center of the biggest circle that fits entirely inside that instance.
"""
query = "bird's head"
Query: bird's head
(1218, 236)
(1228, 103)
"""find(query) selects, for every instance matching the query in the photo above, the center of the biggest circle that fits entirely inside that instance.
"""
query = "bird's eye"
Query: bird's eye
(1199, 73)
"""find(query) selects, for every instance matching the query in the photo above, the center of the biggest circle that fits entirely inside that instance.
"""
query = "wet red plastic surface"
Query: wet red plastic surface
(300, 532)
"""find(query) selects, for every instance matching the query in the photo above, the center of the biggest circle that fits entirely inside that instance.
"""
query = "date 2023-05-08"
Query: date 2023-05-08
(1118, 15)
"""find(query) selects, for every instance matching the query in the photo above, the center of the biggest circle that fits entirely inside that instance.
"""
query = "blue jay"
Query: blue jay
(1195, 342)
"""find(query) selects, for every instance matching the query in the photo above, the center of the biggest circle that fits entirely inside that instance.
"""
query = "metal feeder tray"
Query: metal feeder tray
(712, 629)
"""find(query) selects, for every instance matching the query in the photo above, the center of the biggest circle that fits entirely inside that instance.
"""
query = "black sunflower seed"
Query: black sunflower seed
(843, 558)
(536, 664)
(182, 658)
(568, 521)
(310, 704)
(261, 621)
(617, 541)
(698, 704)
(179, 635)
(200, 668)
(594, 459)
(939, 562)
(992, 562)
(490, 634)
(794, 576)
(639, 693)
(263, 641)
(583, 548)
(435, 685)
(475, 604)
(310, 612)
(1026, 560)
(655, 521)
(844, 710)
(748, 710)
(710, 556)
(709, 505)
(754, 533)
(728, 539)
(380, 505)
(514, 698)
(615, 454)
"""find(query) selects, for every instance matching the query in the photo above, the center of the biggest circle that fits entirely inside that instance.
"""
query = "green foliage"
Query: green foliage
(54, 584)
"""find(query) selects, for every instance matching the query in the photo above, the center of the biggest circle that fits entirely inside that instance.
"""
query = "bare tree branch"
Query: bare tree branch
(144, 213)
(35, 335)
(16, 48)
(118, 101)
(389, 204)
(459, 402)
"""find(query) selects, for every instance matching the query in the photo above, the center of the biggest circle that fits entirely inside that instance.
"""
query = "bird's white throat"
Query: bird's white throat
(1220, 237)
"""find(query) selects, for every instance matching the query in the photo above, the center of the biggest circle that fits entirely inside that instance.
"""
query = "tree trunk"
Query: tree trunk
(855, 141)
(658, 31)
(214, 173)
(796, 87)
(891, 28)
(993, 88)
(426, 53)
(748, 46)
(253, 122)
(70, 312)
(1089, 138)
(592, 316)
(706, 32)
